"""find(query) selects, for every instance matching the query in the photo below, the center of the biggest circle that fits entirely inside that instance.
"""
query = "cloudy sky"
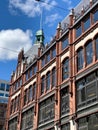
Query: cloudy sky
(19, 21)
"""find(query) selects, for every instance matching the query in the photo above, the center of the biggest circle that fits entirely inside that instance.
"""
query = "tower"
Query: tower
(40, 37)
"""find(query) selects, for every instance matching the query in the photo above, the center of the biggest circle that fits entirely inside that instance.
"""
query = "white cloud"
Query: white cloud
(12, 41)
(51, 19)
(31, 7)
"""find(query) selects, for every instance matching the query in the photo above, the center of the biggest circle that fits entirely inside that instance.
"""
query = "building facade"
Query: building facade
(55, 87)
(4, 93)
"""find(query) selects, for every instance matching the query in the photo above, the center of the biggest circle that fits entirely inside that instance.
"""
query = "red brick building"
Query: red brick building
(55, 87)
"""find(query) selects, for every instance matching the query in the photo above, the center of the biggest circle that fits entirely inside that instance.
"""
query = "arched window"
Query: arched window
(48, 81)
(65, 69)
(80, 59)
(96, 44)
(42, 84)
(53, 77)
(89, 52)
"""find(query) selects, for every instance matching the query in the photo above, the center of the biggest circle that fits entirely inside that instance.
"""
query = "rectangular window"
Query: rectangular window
(96, 42)
(86, 24)
(1, 94)
(65, 43)
(30, 72)
(46, 110)
(12, 124)
(54, 52)
(88, 123)
(7, 87)
(82, 124)
(65, 126)
(43, 61)
(26, 75)
(96, 16)
(48, 57)
(64, 101)
(35, 69)
(78, 31)
(27, 119)
(2, 86)
(87, 90)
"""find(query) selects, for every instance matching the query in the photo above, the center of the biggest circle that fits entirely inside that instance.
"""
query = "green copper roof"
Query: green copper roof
(39, 32)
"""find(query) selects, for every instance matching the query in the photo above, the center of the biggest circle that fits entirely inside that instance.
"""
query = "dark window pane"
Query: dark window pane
(27, 119)
(43, 61)
(48, 81)
(35, 69)
(78, 31)
(7, 87)
(89, 53)
(2, 86)
(64, 101)
(53, 77)
(47, 57)
(65, 69)
(80, 59)
(96, 16)
(96, 42)
(53, 52)
(42, 84)
(46, 110)
(65, 126)
(31, 72)
(86, 24)
(65, 43)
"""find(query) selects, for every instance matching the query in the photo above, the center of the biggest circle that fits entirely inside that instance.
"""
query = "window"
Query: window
(2, 86)
(54, 52)
(87, 90)
(86, 23)
(65, 43)
(42, 84)
(46, 110)
(65, 126)
(43, 61)
(96, 16)
(31, 72)
(7, 87)
(1, 94)
(27, 119)
(96, 44)
(53, 77)
(82, 123)
(88, 123)
(64, 101)
(78, 31)
(25, 97)
(47, 57)
(30, 93)
(27, 76)
(35, 69)
(65, 69)
(6, 95)
(34, 90)
(48, 81)
(12, 124)
(89, 52)
(80, 59)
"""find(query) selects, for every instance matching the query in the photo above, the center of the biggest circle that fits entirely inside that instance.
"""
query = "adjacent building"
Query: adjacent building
(4, 94)
(55, 87)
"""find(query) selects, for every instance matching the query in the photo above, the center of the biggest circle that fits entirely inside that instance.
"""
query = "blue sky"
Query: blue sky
(19, 21)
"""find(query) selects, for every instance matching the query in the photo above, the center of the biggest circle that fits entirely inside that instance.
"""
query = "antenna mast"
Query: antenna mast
(41, 19)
